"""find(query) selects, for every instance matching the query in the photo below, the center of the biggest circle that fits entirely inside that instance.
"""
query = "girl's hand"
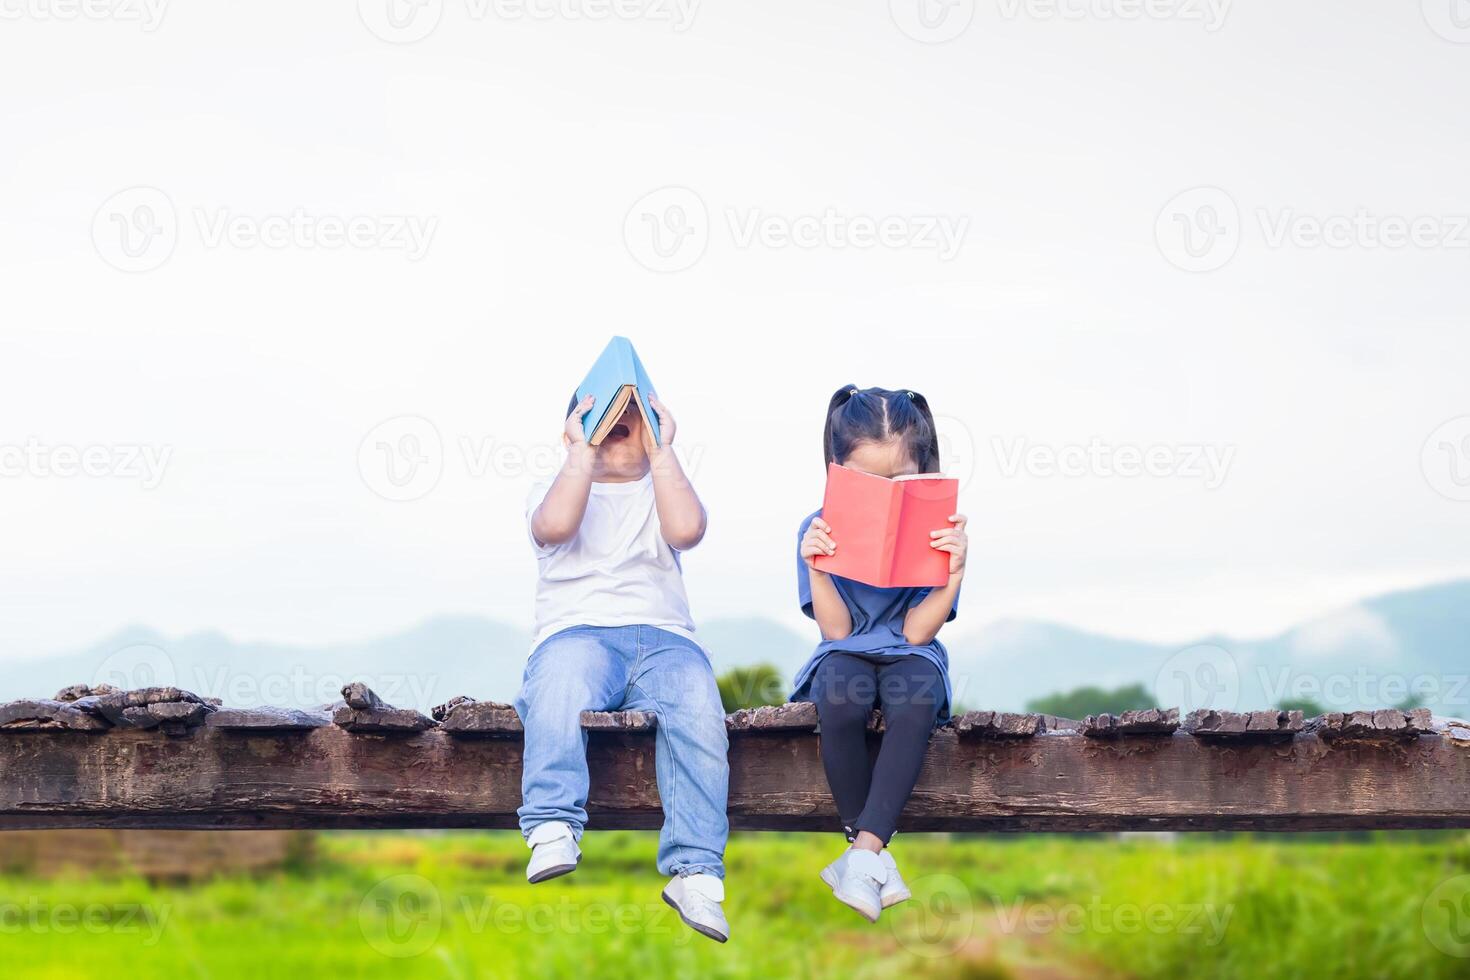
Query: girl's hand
(953, 540)
(817, 541)
(573, 431)
(666, 425)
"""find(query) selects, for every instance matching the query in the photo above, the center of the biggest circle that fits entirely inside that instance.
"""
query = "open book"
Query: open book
(882, 526)
(617, 377)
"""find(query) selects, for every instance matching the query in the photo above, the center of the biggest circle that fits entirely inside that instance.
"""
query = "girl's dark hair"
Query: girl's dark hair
(880, 415)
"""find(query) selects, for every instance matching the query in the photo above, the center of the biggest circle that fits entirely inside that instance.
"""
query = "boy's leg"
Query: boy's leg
(576, 670)
(675, 681)
(844, 689)
(910, 693)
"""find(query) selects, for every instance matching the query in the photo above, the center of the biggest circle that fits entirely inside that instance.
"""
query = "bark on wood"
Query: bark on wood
(172, 709)
(466, 716)
(1243, 725)
(78, 691)
(794, 716)
(267, 719)
(1148, 721)
(440, 711)
(42, 714)
(998, 724)
(619, 721)
(1384, 723)
(363, 711)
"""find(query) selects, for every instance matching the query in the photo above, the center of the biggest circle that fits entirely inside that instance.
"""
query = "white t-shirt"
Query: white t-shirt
(616, 571)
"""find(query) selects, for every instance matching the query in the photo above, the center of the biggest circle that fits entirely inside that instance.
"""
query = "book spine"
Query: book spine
(890, 534)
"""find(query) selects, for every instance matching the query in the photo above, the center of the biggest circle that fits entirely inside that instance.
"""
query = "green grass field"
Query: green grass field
(456, 906)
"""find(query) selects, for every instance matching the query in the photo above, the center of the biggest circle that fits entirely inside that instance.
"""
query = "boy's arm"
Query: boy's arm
(681, 517)
(923, 622)
(560, 513)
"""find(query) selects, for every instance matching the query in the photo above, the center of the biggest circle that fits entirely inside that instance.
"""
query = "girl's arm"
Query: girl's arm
(559, 516)
(681, 517)
(832, 616)
(923, 622)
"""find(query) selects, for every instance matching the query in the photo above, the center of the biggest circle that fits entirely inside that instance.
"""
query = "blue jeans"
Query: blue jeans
(615, 668)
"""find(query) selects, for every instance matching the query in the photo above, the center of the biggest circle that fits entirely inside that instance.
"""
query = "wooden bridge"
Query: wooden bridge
(165, 758)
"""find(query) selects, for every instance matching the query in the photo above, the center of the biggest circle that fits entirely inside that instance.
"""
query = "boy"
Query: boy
(613, 632)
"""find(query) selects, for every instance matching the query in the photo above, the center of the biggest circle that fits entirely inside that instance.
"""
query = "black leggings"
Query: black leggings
(871, 792)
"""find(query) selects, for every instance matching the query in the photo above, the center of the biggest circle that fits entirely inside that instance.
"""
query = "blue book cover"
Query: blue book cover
(617, 376)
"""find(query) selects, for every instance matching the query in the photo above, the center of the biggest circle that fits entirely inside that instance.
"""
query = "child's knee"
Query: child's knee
(910, 712)
(842, 713)
(557, 699)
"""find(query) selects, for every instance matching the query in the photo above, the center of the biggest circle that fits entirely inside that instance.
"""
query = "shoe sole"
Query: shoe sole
(888, 903)
(552, 872)
(705, 931)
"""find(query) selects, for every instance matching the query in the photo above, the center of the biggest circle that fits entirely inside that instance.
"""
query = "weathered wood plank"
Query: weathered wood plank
(329, 777)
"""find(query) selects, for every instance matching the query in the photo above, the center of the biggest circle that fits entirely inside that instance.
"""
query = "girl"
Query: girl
(878, 647)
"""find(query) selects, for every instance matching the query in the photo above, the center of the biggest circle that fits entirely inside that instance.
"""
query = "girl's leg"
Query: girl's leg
(911, 691)
(844, 689)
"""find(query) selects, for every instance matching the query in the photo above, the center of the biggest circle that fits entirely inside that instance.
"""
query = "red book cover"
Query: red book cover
(882, 526)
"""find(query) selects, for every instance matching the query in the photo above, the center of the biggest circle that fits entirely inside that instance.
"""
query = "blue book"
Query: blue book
(617, 377)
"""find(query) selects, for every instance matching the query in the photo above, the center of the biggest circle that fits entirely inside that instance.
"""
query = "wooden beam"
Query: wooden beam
(1343, 776)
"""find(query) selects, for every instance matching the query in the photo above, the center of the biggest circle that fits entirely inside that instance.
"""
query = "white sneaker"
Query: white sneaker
(697, 899)
(554, 851)
(857, 879)
(894, 890)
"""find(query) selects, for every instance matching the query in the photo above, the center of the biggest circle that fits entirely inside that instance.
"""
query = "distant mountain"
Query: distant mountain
(1379, 652)
(420, 667)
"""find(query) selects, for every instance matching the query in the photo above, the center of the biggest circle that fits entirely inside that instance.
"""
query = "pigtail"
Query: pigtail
(928, 443)
(840, 397)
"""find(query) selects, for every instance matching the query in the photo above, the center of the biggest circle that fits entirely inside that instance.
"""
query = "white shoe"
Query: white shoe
(554, 851)
(697, 899)
(857, 879)
(894, 889)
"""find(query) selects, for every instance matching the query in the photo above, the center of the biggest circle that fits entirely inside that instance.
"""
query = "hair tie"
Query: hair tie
(851, 392)
(910, 394)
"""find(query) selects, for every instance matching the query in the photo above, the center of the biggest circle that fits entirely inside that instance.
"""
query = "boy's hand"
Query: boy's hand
(574, 433)
(953, 540)
(817, 541)
(666, 425)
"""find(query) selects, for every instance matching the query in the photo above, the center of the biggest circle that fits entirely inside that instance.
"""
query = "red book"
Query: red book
(881, 527)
